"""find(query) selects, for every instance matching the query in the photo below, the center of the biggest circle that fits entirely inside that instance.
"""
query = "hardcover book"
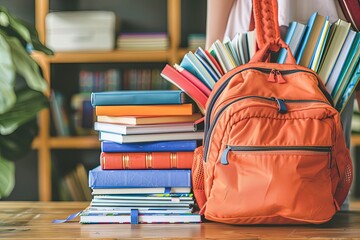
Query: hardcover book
(162, 146)
(144, 129)
(151, 137)
(146, 160)
(145, 110)
(148, 178)
(172, 75)
(140, 120)
(140, 97)
(139, 190)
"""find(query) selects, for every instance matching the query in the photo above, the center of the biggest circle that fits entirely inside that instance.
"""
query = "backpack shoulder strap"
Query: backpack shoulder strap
(265, 14)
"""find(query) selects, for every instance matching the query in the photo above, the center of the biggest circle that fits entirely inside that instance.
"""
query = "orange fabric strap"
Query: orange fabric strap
(265, 14)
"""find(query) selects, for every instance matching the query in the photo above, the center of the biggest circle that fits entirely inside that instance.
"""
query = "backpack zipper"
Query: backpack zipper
(280, 102)
(318, 149)
(264, 70)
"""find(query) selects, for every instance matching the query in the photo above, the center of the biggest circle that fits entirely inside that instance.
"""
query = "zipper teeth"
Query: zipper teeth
(265, 70)
(280, 148)
(207, 133)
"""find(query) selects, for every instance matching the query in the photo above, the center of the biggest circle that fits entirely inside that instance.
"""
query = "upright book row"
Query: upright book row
(332, 50)
(147, 143)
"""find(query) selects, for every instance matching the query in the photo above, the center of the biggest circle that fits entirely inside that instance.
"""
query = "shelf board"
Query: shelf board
(87, 142)
(109, 56)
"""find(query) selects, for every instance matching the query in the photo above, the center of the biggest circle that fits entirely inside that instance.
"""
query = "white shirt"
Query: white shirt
(288, 11)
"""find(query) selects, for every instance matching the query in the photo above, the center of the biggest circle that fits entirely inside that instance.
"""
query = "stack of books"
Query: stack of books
(143, 41)
(148, 140)
(332, 50)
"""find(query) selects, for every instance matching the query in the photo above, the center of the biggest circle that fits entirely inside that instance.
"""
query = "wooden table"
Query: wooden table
(32, 220)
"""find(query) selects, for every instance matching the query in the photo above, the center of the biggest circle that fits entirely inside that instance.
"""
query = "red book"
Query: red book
(351, 10)
(214, 62)
(146, 160)
(175, 77)
(193, 79)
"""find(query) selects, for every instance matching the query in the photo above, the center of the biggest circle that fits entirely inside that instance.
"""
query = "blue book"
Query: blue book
(193, 65)
(306, 37)
(99, 178)
(140, 97)
(163, 146)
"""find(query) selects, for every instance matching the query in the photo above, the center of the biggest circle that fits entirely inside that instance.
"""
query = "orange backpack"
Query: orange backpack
(273, 150)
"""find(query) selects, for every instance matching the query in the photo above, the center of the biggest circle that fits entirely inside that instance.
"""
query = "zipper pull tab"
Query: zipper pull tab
(282, 107)
(279, 77)
(224, 155)
(272, 76)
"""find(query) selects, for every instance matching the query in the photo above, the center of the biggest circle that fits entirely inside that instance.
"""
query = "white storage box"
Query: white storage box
(81, 30)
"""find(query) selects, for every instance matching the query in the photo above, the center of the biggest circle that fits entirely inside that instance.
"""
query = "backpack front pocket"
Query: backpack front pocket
(269, 184)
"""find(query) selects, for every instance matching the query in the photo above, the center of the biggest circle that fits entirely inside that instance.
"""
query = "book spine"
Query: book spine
(142, 110)
(99, 178)
(136, 98)
(163, 146)
(146, 160)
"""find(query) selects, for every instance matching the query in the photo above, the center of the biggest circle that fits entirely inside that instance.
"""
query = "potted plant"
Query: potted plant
(22, 93)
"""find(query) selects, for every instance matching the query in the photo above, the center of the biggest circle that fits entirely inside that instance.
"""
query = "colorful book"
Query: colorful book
(99, 178)
(334, 76)
(320, 46)
(144, 129)
(223, 56)
(162, 146)
(142, 218)
(193, 65)
(349, 67)
(213, 60)
(350, 8)
(304, 40)
(140, 120)
(313, 40)
(337, 38)
(200, 53)
(141, 97)
(140, 190)
(146, 160)
(170, 74)
(153, 137)
(145, 110)
(194, 80)
(127, 210)
(207, 67)
(350, 88)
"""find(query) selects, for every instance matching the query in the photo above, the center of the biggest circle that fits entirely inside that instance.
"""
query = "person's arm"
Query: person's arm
(216, 19)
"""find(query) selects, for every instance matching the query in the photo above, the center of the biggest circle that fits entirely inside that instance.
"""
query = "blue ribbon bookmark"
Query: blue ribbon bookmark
(134, 216)
(167, 190)
(71, 217)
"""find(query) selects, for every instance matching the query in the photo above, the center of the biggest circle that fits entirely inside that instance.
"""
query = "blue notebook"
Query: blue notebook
(140, 97)
(162, 146)
(99, 178)
(306, 37)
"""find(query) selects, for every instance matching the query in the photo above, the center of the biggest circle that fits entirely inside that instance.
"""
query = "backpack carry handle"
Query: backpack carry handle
(264, 53)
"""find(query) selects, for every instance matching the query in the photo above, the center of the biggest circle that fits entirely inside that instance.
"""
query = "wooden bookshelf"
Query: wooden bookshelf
(44, 143)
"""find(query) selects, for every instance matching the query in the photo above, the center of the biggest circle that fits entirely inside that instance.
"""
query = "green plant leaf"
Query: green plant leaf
(29, 103)
(36, 44)
(7, 77)
(7, 177)
(9, 21)
(24, 65)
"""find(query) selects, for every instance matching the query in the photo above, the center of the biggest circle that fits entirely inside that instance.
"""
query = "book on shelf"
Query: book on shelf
(338, 32)
(141, 190)
(152, 137)
(313, 40)
(293, 38)
(161, 146)
(143, 41)
(335, 73)
(139, 97)
(86, 217)
(172, 75)
(140, 120)
(59, 116)
(145, 110)
(144, 129)
(148, 178)
(146, 160)
(82, 114)
(193, 65)
(97, 81)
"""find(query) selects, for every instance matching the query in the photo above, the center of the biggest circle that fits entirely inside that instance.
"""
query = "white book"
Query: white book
(144, 129)
(119, 138)
(96, 191)
(127, 210)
